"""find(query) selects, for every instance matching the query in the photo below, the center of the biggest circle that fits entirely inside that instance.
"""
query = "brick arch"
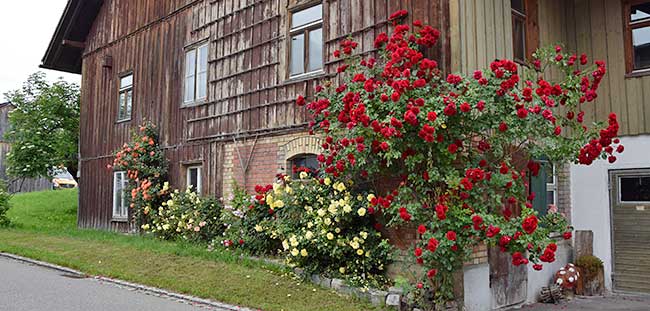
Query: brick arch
(300, 145)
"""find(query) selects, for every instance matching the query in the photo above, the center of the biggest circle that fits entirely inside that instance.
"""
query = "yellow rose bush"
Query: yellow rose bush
(323, 227)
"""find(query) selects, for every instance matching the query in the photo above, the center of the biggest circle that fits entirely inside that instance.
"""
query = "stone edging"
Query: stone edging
(146, 289)
(391, 298)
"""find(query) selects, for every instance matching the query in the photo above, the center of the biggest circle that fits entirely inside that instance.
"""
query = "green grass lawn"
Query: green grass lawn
(44, 228)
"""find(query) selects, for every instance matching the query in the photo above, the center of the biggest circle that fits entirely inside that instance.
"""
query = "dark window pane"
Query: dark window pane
(518, 5)
(303, 163)
(640, 12)
(307, 16)
(635, 189)
(519, 39)
(641, 42)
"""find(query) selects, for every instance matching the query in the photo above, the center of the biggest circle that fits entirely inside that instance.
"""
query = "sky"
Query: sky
(26, 27)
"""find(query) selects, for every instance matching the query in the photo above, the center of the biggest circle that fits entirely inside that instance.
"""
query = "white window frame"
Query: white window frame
(120, 209)
(199, 69)
(619, 195)
(199, 183)
(305, 30)
(128, 105)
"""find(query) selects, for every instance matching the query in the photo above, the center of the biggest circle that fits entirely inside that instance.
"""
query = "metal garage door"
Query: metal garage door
(630, 199)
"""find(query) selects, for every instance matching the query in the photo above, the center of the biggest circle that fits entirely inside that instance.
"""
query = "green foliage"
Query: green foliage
(4, 205)
(44, 127)
(322, 228)
(590, 265)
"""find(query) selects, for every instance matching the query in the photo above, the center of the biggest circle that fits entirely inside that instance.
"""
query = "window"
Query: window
(194, 178)
(125, 98)
(545, 187)
(196, 74)
(306, 51)
(307, 162)
(120, 210)
(524, 29)
(637, 35)
(634, 189)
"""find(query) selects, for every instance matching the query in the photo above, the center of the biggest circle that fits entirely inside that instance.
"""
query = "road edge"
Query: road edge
(147, 289)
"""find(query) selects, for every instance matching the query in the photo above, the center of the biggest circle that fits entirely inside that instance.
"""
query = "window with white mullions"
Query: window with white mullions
(125, 98)
(306, 33)
(120, 208)
(196, 74)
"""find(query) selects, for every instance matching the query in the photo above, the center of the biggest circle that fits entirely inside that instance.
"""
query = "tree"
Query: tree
(44, 128)
(459, 149)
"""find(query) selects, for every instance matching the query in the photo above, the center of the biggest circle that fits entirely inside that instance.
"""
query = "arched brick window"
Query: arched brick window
(304, 162)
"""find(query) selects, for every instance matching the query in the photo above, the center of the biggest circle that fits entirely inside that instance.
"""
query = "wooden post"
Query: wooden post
(584, 243)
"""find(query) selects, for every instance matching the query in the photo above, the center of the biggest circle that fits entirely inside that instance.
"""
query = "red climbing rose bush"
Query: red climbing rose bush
(452, 155)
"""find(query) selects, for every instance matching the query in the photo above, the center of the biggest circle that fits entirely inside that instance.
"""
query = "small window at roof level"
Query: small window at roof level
(637, 32)
(196, 75)
(306, 44)
(303, 163)
(125, 98)
(633, 189)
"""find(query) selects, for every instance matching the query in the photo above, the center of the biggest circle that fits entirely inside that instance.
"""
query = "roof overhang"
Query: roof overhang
(67, 45)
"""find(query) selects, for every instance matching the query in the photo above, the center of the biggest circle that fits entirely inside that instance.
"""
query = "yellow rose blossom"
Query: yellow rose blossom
(327, 221)
(359, 198)
(347, 208)
(370, 197)
(293, 241)
(295, 252)
(303, 175)
(363, 234)
(285, 245)
(361, 212)
(337, 230)
(321, 212)
(310, 224)
(359, 252)
(303, 252)
(339, 186)
(258, 228)
(309, 235)
(342, 270)
(327, 181)
(354, 244)
(330, 236)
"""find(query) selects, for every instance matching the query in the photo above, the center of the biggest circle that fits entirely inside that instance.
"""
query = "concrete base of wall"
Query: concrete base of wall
(478, 296)
(477, 287)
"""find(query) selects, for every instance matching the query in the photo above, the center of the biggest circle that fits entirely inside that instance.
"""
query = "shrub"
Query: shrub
(323, 227)
(186, 215)
(240, 220)
(4, 205)
(590, 265)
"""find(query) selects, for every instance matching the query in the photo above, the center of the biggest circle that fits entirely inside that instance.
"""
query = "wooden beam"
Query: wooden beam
(74, 44)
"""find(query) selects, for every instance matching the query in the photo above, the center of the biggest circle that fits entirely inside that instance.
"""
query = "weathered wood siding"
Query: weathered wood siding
(248, 93)
(599, 32)
(482, 31)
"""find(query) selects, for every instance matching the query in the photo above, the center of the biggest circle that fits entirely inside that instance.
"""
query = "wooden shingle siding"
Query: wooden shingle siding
(249, 94)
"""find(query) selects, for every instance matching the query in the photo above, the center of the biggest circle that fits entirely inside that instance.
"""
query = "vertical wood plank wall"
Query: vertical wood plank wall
(248, 93)
(482, 32)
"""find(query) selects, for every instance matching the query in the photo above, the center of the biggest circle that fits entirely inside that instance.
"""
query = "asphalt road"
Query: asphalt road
(25, 287)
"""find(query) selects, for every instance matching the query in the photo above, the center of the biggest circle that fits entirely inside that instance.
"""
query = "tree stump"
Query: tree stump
(591, 283)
